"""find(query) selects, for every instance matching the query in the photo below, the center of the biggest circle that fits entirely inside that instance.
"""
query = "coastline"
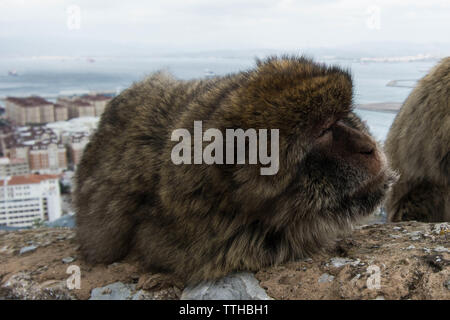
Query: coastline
(392, 107)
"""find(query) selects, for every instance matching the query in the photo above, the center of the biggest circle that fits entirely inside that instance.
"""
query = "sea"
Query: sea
(50, 77)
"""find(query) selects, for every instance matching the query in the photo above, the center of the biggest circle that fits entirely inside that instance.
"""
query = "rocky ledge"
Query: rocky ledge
(384, 261)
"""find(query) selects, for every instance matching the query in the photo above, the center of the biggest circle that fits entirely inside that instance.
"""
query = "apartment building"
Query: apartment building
(77, 145)
(13, 167)
(31, 110)
(99, 102)
(61, 112)
(84, 106)
(79, 108)
(39, 146)
(49, 148)
(5, 133)
(47, 113)
(24, 199)
(47, 157)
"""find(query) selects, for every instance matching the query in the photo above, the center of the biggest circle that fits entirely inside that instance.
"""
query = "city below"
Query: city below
(41, 145)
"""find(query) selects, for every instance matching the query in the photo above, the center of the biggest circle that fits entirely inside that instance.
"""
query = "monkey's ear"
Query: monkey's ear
(290, 92)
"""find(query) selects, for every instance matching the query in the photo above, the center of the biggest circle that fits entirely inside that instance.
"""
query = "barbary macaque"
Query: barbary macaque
(202, 221)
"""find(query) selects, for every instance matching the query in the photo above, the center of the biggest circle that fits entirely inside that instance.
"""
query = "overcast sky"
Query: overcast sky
(51, 26)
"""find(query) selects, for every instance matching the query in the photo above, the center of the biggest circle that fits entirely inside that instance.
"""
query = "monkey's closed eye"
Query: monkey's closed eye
(326, 131)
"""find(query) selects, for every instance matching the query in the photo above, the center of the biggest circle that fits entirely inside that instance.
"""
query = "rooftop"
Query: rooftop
(44, 145)
(28, 179)
(29, 101)
(97, 97)
(27, 136)
(81, 103)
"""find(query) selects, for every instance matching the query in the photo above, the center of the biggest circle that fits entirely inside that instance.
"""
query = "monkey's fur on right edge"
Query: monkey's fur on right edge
(418, 147)
(201, 222)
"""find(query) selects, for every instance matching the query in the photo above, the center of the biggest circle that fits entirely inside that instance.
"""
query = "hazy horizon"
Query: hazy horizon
(114, 28)
(51, 47)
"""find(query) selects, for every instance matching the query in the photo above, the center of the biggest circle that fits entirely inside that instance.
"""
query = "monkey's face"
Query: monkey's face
(343, 173)
(334, 169)
(329, 164)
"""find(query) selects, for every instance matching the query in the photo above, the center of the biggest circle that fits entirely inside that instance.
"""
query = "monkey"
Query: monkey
(418, 148)
(199, 222)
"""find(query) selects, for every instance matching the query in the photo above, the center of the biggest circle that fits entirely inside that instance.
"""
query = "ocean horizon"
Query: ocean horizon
(49, 77)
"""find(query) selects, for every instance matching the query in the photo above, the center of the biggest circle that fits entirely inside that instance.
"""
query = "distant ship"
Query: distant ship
(90, 60)
(405, 83)
(209, 73)
(13, 73)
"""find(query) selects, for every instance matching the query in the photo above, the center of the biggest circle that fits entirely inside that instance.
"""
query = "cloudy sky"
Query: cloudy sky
(109, 26)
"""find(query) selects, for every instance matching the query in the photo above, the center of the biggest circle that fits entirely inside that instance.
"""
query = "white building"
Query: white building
(74, 126)
(23, 199)
(13, 167)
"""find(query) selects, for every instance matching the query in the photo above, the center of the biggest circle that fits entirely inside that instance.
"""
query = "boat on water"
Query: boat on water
(13, 73)
(209, 74)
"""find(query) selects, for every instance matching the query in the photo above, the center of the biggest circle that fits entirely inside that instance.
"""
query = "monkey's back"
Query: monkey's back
(118, 177)
(420, 135)
(418, 143)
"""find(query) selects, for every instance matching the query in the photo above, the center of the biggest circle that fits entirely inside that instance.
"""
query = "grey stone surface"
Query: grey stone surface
(325, 278)
(114, 291)
(68, 259)
(125, 291)
(22, 286)
(27, 249)
(141, 295)
(338, 262)
(237, 286)
(441, 249)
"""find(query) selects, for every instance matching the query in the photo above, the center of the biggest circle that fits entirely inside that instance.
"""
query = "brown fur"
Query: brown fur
(201, 222)
(418, 147)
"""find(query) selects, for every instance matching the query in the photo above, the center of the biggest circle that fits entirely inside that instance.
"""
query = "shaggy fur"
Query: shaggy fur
(418, 147)
(201, 222)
